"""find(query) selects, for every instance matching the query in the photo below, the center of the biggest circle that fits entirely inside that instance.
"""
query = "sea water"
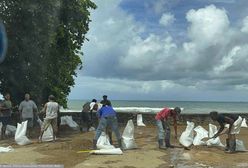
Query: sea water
(190, 107)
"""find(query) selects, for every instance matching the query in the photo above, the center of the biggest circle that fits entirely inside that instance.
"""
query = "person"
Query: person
(28, 110)
(108, 118)
(86, 114)
(51, 109)
(5, 114)
(105, 101)
(163, 126)
(234, 122)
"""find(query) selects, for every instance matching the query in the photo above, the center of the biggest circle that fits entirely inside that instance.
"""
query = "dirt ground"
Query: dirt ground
(64, 152)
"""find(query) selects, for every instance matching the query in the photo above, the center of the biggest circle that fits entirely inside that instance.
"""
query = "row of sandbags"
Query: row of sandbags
(189, 138)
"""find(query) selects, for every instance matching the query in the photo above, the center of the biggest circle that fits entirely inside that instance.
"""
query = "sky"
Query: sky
(185, 50)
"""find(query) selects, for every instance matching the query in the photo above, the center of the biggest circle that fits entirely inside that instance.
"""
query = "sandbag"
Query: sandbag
(200, 134)
(20, 135)
(10, 130)
(92, 129)
(6, 149)
(103, 142)
(140, 120)
(67, 120)
(48, 134)
(214, 141)
(240, 147)
(115, 151)
(128, 141)
(186, 139)
(243, 124)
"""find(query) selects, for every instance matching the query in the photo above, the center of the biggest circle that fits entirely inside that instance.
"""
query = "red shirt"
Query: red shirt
(164, 114)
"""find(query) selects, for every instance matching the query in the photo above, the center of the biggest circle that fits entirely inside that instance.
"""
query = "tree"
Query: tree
(44, 42)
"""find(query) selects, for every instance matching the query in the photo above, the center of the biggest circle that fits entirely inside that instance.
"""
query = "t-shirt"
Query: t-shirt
(27, 108)
(106, 111)
(86, 107)
(163, 114)
(221, 118)
(6, 104)
(106, 102)
(52, 110)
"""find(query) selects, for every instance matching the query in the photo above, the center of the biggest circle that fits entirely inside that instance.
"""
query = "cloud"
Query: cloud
(245, 25)
(123, 56)
(166, 19)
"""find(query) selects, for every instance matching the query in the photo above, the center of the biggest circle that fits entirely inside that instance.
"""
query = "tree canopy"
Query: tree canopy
(44, 43)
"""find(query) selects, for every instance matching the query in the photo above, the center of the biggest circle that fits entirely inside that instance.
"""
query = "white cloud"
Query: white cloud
(209, 25)
(166, 19)
(213, 57)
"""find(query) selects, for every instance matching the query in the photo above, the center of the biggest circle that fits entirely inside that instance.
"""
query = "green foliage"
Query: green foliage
(45, 38)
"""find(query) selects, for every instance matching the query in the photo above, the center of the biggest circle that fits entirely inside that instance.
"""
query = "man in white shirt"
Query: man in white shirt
(51, 109)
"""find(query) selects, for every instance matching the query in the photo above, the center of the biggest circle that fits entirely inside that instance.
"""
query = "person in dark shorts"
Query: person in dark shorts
(5, 113)
(234, 122)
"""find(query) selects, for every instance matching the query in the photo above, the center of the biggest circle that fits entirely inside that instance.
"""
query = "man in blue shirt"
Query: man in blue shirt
(107, 116)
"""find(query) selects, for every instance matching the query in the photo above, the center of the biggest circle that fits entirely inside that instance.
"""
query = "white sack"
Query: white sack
(63, 120)
(115, 151)
(240, 147)
(67, 120)
(200, 134)
(103, 142)
(236, 126)
(186, 139)
(128, 141)
(6, 149)
(10, 130)
(48, 134)
(216, 141)
(92, 129)
(243, 124)
(20, 135)
(140, 120)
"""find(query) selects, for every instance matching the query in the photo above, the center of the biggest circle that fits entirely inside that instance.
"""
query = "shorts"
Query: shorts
(5, 120)
(30, 122)
(47, 123)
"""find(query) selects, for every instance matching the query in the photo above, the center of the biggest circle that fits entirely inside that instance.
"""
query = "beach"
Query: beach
(69, 142)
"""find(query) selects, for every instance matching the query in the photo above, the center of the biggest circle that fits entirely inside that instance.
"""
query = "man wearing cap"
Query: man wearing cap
(163, 126)
(105, 101)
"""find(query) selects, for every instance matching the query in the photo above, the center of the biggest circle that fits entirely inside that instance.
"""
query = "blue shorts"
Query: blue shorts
(5, 120)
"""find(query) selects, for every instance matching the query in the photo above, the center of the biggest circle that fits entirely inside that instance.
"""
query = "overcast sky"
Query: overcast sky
(166, 50)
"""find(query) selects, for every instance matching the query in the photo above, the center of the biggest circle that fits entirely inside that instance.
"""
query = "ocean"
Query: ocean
(190, 107)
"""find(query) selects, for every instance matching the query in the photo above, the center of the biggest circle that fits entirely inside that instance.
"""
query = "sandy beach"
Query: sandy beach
(64, 151)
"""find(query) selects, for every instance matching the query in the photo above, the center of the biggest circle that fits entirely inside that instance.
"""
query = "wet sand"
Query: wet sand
(64, 151)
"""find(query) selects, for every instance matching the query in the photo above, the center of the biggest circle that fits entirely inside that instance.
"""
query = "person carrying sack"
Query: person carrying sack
(107, 117)
(234, 122)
